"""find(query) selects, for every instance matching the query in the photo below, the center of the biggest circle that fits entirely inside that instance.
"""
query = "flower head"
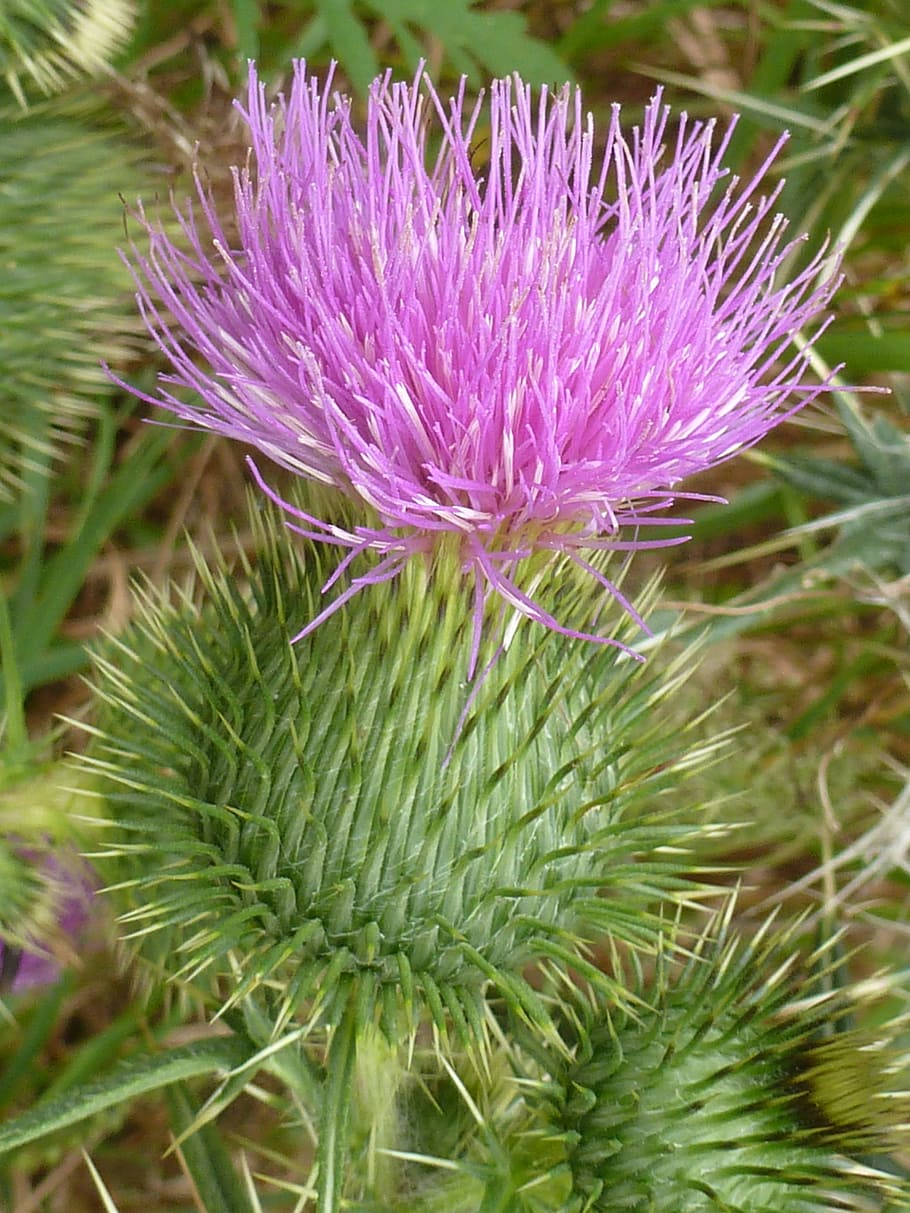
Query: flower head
(57, 895)
(735, 1084)
(478, 326)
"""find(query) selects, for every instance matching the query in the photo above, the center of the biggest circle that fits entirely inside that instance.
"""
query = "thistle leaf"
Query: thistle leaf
(472, 37)
(128, 1080)
(498, 42)
(873, 495)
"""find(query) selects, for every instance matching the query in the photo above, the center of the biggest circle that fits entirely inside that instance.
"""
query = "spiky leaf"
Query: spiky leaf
(872, 495)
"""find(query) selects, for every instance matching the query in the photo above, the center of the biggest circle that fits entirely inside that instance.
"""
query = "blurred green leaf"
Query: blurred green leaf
(48, 582)
(349, 41)
(130, 1078)
(476, 42)
(246, 19)
(595, 30)
(49, 42)
(497, 41)
(63, 572)
(64, 294)
(38, 1029)
(866, 353)
(884, 54)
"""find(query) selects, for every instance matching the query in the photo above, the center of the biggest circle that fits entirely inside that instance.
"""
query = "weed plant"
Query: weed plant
(598, 936)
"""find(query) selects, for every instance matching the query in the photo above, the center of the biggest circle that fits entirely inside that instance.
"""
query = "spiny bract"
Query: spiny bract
(346, 809)
(706, 1097)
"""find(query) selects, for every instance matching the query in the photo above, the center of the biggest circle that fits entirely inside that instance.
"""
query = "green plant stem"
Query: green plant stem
(336, 1108)
(36, 478)
(16, 732)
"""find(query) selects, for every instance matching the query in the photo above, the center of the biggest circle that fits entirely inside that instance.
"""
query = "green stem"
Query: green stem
(13, 699)
(333, 1130)
(36, 478)
(32, 520)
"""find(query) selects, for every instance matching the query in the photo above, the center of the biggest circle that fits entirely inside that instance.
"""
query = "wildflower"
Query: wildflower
(56, 917)
(477, 327)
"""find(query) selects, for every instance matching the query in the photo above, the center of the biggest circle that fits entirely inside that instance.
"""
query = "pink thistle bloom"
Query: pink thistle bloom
(479, 327)
(72, 885)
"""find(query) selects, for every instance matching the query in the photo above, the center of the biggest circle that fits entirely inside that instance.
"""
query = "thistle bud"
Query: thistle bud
(706, 1097)
(346, 817)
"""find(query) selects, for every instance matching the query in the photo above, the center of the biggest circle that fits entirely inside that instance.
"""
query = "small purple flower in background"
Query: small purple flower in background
(471, 323)
(71, 887)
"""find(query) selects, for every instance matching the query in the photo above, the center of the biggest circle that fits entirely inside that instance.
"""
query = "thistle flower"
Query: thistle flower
(46, 903)
(478, 327)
